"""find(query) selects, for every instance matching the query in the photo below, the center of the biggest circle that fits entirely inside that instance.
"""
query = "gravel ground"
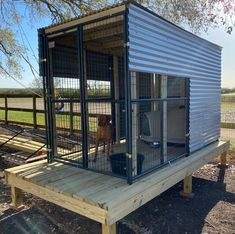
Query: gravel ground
(212, 210)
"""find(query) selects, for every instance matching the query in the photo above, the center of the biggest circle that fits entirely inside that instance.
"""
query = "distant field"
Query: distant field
(228, 94)
(227, 111)
(22, 103)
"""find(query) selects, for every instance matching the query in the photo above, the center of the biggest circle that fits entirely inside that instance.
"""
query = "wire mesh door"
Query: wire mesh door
(65, 110)
(87, 89)
(100, 107)
(105, 99)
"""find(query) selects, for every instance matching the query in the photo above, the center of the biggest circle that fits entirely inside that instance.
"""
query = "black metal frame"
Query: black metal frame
(83, 96)
(50, 117)
(127, 100)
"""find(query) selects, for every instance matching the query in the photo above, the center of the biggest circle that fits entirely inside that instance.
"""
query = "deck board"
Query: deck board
(103, 198)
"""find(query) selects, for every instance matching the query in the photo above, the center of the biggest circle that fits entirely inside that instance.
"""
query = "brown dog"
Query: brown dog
(104, 134)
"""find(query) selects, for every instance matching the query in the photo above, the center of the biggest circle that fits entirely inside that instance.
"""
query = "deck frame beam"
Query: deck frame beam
(113, 201)
(76, 205)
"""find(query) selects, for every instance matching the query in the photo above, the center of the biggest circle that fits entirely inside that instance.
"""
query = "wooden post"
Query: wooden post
(116, 93)
(109, 229)
(164, 106)
(6, 110)
(71, 117)
(34, 112)
(223, 160)
(187, 187)
(16, 195)
(134, 123)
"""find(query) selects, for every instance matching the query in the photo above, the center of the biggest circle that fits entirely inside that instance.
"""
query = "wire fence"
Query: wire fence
(228, 119)
(21, 110)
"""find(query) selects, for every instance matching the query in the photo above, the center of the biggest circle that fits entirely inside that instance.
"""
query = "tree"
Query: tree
(198, 15)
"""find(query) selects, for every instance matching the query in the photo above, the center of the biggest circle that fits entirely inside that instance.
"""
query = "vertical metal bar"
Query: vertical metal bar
(49, 96)
(187, 105)
(116, 97)
(71, 117)
(134, 123)
(52, 122)
(6, 110)
(164, 118)
(44, 60)
(47, 87)
(161, 132)
(83, 90)
(112, 89)
(127, 99)
(34, 112)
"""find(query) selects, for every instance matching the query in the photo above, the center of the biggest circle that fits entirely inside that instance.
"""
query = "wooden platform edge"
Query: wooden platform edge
(133, 197)
(78, 206)
(167, 178)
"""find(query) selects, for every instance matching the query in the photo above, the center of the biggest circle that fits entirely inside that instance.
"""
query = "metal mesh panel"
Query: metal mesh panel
(104, 75)
(66, 104)
(159, 121)
(176, 128)
(87, 81)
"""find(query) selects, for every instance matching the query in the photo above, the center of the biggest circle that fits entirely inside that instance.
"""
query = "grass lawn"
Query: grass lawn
(228, 106)
(25, 117)
(62, 121)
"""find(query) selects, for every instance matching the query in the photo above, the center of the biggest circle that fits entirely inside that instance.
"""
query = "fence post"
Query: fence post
(71, 117)
(34, 112)
(6, 110)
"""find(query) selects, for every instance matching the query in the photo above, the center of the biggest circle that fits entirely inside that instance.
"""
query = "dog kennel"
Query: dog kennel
(158, 84)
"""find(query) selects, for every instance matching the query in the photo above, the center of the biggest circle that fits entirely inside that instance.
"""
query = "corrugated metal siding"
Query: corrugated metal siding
(158, 46)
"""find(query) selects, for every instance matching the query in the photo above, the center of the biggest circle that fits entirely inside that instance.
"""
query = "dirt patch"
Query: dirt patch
(212, 210)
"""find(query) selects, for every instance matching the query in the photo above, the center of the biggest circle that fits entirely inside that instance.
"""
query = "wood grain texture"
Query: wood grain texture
(104, 198)
(88, 18)
(16, 196)
(109, 229)
(188, 184)
(62, 200)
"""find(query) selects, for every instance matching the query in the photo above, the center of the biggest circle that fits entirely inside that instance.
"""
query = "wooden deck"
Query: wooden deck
(151, 155)
(100, 197)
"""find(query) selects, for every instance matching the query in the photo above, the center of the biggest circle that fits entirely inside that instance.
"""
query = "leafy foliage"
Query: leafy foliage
(227, 90)
(197, 15)
(9, 53)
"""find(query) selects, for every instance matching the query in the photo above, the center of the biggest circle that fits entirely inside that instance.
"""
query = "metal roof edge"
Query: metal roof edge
(76, 20)
(153, 13)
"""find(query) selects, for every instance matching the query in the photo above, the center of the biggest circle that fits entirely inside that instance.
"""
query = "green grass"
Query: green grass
(24, 117)
(227, 105)
(228, 94)
(227, 98)
(62, 121)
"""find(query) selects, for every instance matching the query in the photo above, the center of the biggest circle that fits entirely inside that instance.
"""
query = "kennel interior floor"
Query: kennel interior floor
(151, 155)
(100, 197)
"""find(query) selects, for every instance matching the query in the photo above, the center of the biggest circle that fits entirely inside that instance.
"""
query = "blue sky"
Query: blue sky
(218, 36)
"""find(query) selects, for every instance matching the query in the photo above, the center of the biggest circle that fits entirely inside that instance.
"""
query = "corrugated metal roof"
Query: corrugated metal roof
(85, 15)
(122, 3)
